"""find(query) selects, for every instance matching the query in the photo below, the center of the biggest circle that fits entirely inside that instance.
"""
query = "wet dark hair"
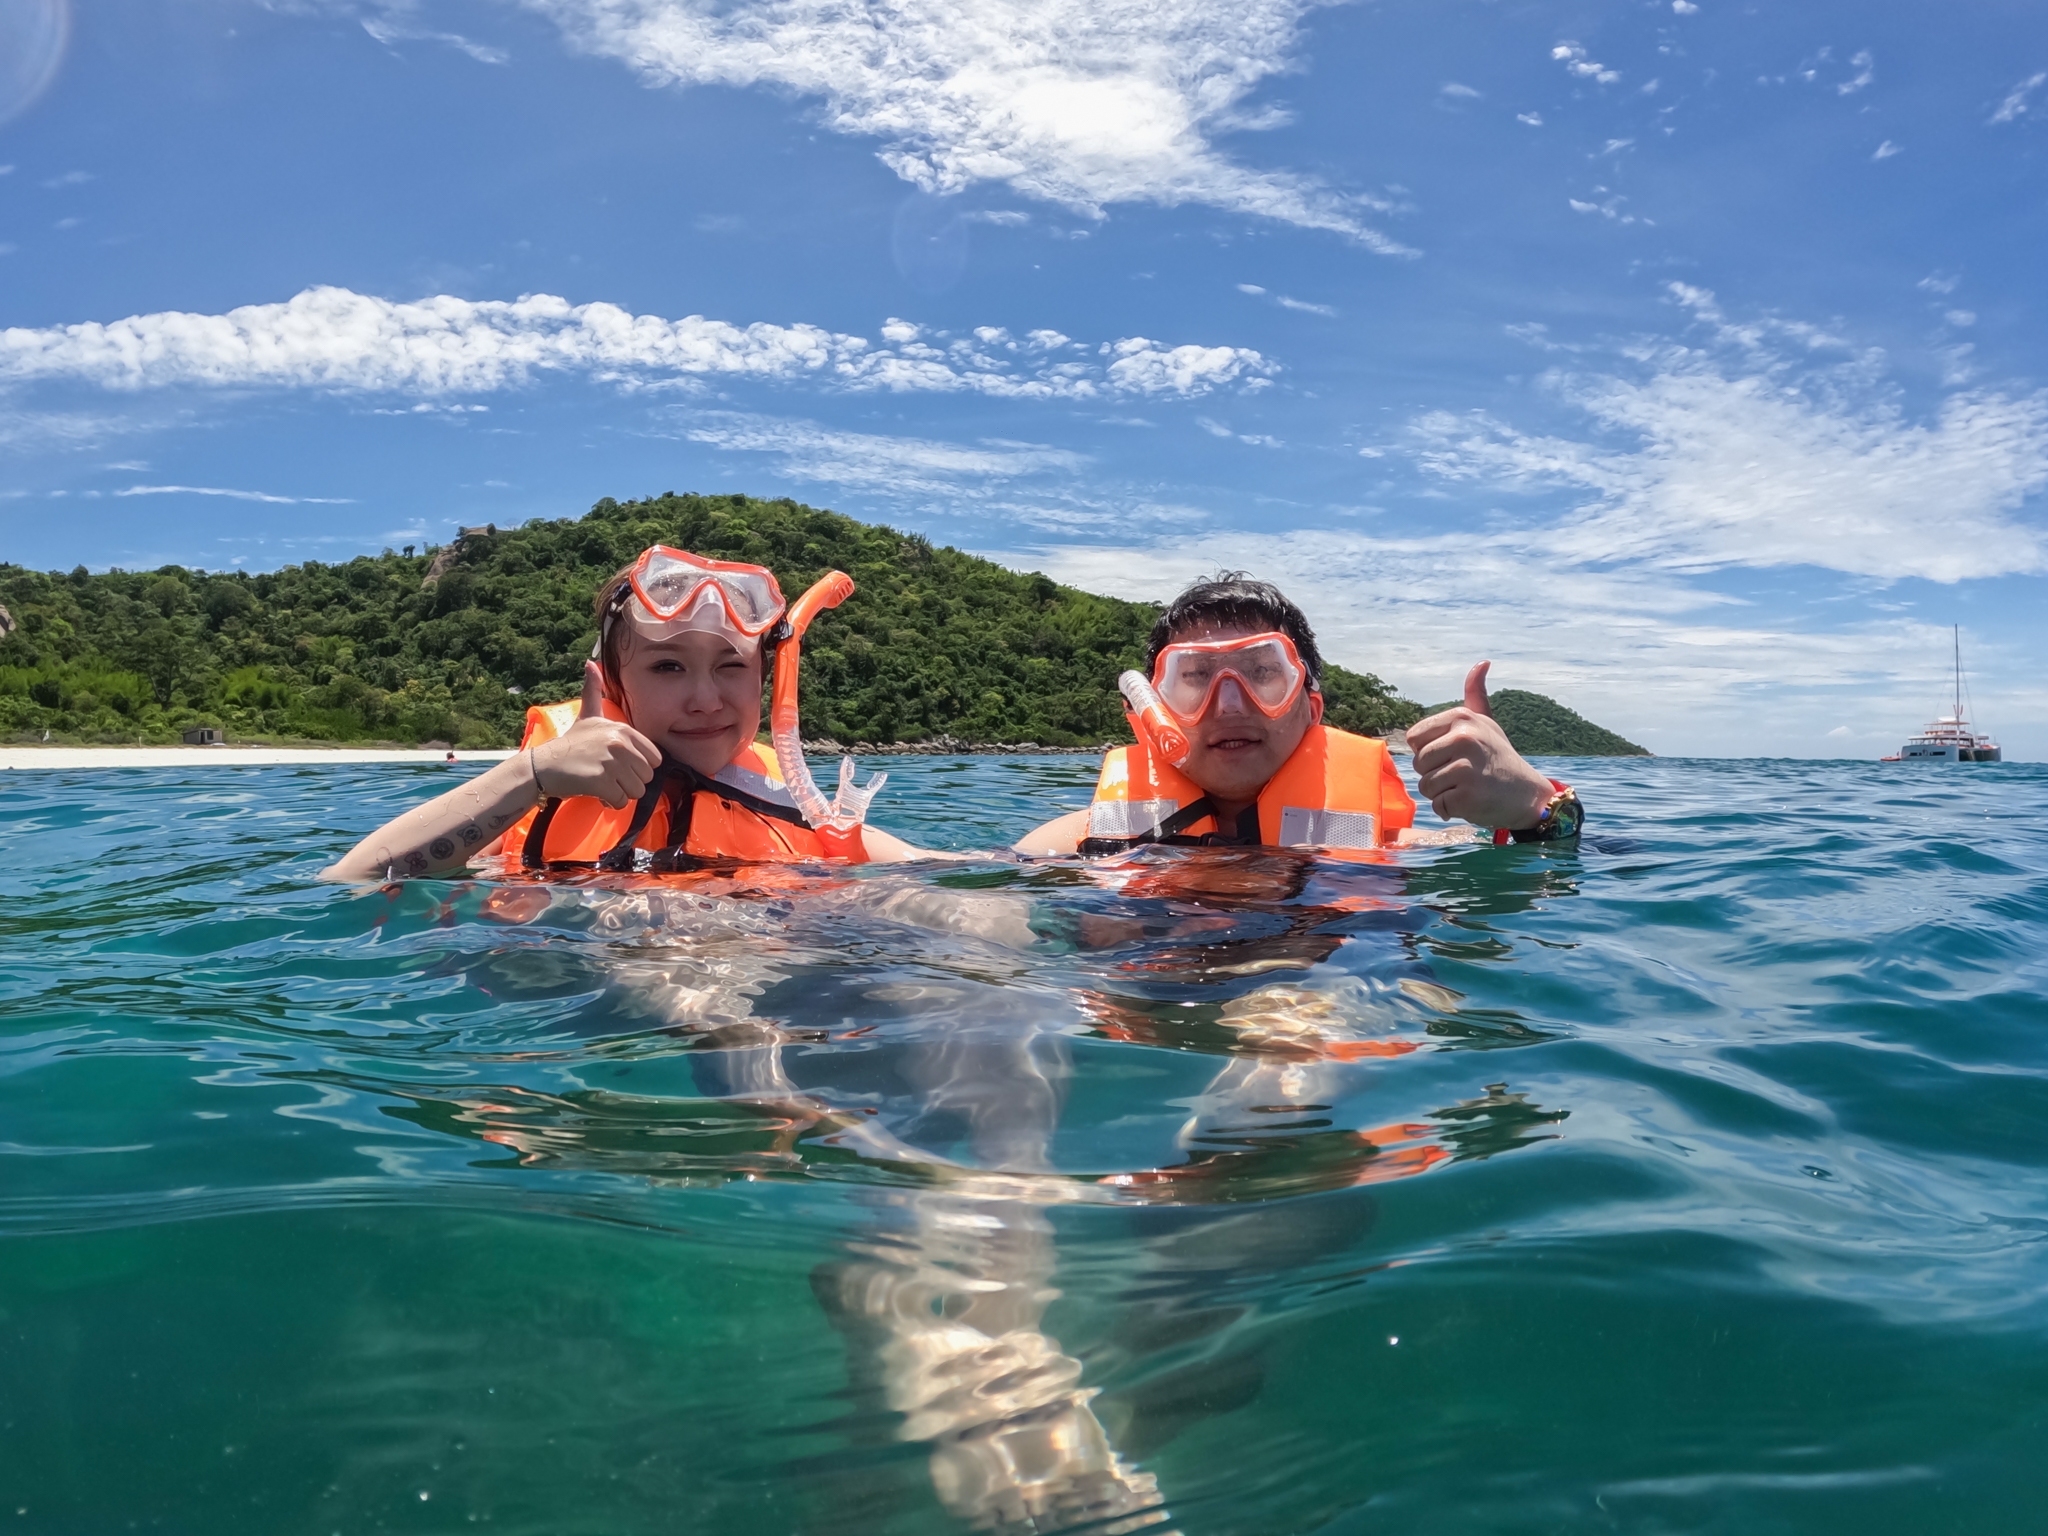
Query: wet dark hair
(1232, 597)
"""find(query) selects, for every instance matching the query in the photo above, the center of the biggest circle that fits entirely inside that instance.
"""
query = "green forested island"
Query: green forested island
(452, 644)
(1540, 726)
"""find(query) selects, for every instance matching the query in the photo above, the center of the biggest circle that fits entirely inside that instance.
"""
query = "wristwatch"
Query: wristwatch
(1561, 819)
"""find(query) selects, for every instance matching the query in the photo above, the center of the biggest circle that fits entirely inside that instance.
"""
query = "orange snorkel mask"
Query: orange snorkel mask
(1188, 677)
(671, 591)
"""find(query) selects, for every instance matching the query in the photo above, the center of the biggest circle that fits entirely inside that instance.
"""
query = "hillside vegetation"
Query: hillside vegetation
(935, 642)
(1540, 726)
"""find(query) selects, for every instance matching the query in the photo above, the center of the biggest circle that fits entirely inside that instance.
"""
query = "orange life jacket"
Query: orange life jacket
(742, 814)
(1338, 791)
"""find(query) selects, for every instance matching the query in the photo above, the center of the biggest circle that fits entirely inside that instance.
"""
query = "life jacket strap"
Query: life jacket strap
(533, 856)
(619, 856)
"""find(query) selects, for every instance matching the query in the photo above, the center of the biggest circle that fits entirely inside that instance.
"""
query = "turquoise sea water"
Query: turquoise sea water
(1696, 1181)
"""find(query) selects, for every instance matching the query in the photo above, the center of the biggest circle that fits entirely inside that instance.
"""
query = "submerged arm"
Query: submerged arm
(1058, 838)
(448, 830)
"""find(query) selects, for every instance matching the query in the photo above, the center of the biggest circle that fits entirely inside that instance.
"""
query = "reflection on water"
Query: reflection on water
(937, 1078)
(1170, 1194)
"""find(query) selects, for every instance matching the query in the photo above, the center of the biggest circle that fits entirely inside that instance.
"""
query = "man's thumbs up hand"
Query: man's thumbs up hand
(1475, 690)
(1468, 770)
(596, 756)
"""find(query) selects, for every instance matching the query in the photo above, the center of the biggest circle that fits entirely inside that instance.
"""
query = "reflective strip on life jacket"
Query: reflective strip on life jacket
(1337, 791)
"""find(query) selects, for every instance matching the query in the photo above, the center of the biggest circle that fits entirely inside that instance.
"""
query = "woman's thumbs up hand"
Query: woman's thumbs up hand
(596, 756)
(1468, 770)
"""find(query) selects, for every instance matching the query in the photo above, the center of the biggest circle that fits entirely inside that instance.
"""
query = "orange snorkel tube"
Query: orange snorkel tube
(1151, 719)
(837, 821)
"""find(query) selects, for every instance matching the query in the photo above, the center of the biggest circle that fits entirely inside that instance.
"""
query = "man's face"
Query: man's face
(693, 695)
(1235, 749)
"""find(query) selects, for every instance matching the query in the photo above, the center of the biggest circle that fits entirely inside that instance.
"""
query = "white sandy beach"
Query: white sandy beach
(220, 757)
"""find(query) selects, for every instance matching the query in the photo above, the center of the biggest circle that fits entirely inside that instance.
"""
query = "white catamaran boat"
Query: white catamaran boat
(1949, 738)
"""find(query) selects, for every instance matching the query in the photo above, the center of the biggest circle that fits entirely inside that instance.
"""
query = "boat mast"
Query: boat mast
(1959, 674)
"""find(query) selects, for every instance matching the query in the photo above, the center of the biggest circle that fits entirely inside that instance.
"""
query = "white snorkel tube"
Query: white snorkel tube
(836, 821)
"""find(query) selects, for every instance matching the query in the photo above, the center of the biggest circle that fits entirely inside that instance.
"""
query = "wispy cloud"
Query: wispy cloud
(1216, 428)
(1739, 453)
(1281, 299)
(1085, 103)
(873, 461)
(389, 31)
(216, 490)
(1866, 71)
(1886, 150)
(2017, 104)
(57, 429)
(333, 338)
(1452, 88)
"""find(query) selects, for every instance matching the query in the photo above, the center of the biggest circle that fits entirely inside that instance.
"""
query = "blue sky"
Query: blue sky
(1685, 358)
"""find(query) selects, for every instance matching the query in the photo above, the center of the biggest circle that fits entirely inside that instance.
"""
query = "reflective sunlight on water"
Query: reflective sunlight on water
(1692, 1181)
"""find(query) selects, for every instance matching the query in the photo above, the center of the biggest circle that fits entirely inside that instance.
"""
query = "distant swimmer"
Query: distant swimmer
(1231, 749)
(657, 766)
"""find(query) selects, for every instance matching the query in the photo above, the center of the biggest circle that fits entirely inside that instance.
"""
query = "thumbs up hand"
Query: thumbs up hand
(596, 756)
(1467, 769)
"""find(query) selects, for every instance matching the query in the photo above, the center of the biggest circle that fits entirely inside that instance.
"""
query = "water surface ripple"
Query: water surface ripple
(1690, 1181)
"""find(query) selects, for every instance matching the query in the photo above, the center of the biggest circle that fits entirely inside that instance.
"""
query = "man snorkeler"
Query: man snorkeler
(1231, 749)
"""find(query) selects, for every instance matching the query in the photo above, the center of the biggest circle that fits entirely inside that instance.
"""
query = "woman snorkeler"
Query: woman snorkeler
(659, 766)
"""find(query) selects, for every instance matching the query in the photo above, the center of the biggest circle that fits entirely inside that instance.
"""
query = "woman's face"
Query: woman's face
(693, 695)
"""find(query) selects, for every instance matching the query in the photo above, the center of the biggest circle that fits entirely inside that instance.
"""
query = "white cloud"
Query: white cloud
(1733, 454)
(1685, 7)
(2016, 106)
(1149, 368)
(1464, 91)
(1866, 72)
(215, 490)
(1574, 58)
(1084, 103)
(388, 31)
(335, 339)
(1303, 305)
(1533, 119)
(1961, 317)
(1886, 150)
(898, 465)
